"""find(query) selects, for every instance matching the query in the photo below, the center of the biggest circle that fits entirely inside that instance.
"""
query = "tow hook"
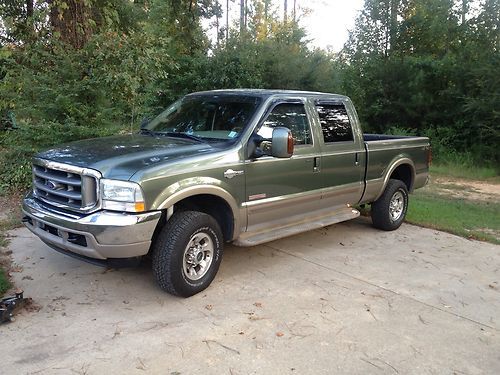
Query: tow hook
(9, 305)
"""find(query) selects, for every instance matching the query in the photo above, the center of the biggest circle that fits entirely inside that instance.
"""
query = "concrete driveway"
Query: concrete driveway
(344, 299)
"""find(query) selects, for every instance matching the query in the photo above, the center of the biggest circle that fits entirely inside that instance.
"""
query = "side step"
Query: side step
(270, 234)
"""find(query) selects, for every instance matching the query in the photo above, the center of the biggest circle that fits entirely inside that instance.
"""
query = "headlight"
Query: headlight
(122, 196)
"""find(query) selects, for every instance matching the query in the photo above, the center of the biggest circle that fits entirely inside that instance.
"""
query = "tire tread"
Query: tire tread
(178, 227)
(379, 209)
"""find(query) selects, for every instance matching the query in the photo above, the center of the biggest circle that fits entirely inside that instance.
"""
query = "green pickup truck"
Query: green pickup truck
(226, 166)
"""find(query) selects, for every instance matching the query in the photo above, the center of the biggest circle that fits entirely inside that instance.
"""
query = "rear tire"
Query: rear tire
(187, 253)
(389, 211)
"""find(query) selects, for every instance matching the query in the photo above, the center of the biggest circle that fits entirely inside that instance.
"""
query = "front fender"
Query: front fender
(196, 186)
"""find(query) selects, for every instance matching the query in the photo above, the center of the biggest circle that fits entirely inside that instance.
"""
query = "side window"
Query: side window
(292, 116)
(334, 123)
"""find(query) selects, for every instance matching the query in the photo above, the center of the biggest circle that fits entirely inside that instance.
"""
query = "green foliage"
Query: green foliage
(59, 94)
(415, 64)
(4, 282)
(411, 67)
(463, 166)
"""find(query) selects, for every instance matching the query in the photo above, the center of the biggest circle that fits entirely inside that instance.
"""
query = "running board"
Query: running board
(271, 234)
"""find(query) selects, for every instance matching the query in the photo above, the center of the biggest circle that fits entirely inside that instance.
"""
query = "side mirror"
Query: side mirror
(282, 146)
(144, 122)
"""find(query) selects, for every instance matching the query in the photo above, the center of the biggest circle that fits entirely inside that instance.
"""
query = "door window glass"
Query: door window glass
(335, 123)
(292, 116)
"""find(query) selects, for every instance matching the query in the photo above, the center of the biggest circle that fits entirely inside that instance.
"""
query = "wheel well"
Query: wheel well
(214, 206)
(404, 173)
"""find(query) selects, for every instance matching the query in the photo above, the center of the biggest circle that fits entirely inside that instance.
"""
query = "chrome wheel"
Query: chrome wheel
(198, 256)
(396, 205)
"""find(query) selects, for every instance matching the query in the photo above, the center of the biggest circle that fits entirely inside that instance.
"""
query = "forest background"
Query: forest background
(73, 69)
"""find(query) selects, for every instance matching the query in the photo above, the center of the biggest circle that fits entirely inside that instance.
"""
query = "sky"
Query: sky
(327, 23)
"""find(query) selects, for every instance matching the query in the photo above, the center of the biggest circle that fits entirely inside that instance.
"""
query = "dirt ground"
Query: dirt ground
(343, 299)
(465, 189)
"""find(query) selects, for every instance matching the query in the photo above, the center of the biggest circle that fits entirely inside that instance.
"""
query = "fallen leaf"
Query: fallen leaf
(280, 334)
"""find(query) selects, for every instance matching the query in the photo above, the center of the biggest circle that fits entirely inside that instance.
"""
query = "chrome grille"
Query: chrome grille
(64, 185)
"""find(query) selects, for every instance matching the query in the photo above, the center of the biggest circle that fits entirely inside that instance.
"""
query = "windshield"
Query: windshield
(206, 117)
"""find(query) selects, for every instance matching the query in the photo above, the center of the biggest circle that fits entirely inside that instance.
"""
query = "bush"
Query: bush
(59, 94)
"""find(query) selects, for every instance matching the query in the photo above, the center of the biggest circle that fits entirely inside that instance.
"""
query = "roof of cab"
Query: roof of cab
(266, 93)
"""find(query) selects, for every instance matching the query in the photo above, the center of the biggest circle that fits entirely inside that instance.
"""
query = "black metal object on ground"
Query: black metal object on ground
(9, 304)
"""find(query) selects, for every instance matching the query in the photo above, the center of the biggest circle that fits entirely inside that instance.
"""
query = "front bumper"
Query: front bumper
(100, 235)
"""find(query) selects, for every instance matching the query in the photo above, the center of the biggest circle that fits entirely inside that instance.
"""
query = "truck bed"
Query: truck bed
(383, 150)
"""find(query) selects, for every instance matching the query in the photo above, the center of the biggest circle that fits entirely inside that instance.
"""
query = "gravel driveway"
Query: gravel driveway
(343, 299)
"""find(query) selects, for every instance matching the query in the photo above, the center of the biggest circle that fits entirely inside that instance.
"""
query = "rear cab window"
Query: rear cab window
(335, 123)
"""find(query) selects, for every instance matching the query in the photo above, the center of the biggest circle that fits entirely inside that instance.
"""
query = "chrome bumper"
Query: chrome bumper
(99, 235)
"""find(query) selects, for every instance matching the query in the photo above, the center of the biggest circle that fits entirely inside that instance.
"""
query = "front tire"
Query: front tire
(389, 211)
(187, 253)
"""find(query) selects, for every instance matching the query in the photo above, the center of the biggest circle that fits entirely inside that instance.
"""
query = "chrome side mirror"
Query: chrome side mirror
(282, 142)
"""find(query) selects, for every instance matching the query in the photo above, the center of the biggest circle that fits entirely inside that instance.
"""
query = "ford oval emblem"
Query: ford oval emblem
(52, 185)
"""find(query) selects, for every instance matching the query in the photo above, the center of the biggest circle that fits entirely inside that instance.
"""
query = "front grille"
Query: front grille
(64, 186)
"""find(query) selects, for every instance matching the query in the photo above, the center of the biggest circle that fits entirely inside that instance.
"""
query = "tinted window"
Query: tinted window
(292, 116)
(334, 123)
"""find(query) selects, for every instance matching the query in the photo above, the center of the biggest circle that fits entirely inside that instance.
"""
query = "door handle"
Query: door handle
(317, 164)
(356, 159)
(230, 173)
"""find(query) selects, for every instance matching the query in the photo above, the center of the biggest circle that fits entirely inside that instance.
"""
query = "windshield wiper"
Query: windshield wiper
(184, 135)
(148, 132)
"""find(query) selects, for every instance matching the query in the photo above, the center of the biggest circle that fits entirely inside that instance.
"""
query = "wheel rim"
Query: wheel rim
(396, 206)
(198, 256)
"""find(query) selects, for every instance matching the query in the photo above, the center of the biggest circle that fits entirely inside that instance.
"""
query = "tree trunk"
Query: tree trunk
(393, 26)
(464, 11)
(29, 18)
(242, 17)
(227, 20)
(217, 27)
(29, 8)
(71, 23)
(246, 14)
(285, 12)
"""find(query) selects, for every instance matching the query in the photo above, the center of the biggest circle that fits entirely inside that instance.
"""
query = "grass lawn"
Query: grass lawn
(468, 206)
(471, 219)
(465, 171)
(4, 282)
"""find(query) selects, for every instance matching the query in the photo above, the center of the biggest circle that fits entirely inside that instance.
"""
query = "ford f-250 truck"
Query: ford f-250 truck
(240, 166)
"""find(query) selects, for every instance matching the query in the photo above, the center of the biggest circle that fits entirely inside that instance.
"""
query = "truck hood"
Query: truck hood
(119, 157)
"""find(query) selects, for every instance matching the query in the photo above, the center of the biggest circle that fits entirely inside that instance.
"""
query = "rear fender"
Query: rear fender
(397, 161)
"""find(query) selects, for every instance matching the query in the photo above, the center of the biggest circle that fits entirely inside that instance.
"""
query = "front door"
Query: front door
(279, 191)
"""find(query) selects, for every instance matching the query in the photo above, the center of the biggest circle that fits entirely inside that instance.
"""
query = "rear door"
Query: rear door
(281, 190)
(343, 153)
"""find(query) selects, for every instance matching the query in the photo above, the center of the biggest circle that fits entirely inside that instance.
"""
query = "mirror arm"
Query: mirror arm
(254, 152)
